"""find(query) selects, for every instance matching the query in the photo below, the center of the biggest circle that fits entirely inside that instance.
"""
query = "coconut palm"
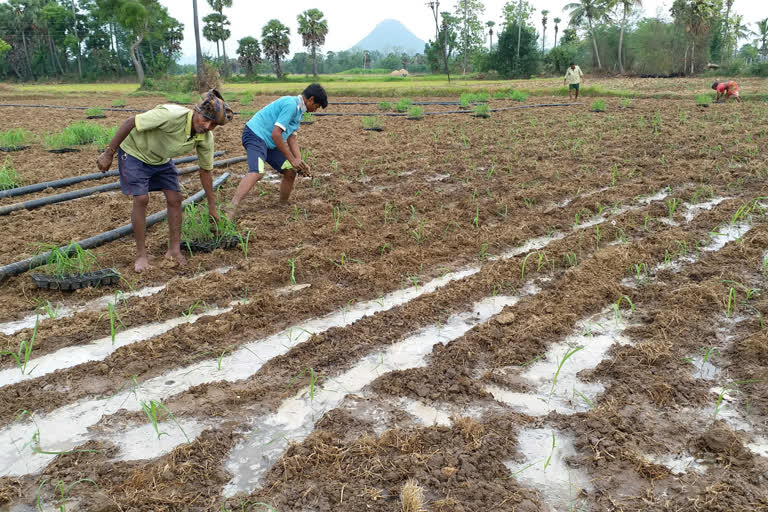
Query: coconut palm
(544, 28)
(275, 43)
(727, 30)
(557, 21)
(589, 11)
(762, 33)
(223, 33)
(626, 9)
(313, 29)
(197, 41)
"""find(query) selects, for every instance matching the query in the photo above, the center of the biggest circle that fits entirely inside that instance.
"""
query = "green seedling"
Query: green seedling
(94, 112)
(371, 123)
(388, 207)
(63, 489)
(78, 134)
(672, 204)
(292, 263)
(617, 307)
(115, 323)
(313, 378)
(307, 118)
(336, 218)
(571, 259)
(9, 178)
(565, 358)
(385, 247)
(25, 350)
(476, 219)
(626, 103)
(525, 260)
(190, 310)
(484, 252)
(482, 110)
(151, 409)
(385, 105)
(726, 388)
(403, 105)
(731, 300)
(587, 400)
(415, 112)
(549, 459)
(641, 272)
(518, 96)
(703, 100)
(66, 261)
(597, 237)
(47, 308)
(418, 233)
(598, 106)
(197, 225)
(15, 138)
(246, 98)
(244, 243)
(414, 280)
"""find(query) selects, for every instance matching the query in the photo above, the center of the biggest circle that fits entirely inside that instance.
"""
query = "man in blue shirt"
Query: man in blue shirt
(270, 137)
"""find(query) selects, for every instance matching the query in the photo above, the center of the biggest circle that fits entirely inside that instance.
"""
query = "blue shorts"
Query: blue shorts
(138, 178)
(258, 153)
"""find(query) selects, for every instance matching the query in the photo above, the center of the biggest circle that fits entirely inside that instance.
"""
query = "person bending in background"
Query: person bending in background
(726, 90)
(573, 76)
(270, 137)
(144, 145)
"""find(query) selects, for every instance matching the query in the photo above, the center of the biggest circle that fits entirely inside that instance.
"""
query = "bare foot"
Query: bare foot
(176, 256)
(232, 211)
(142, 264)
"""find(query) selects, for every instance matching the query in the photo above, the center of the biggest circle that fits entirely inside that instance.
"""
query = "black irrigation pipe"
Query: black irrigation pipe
(76, 194)
(72, 108)
(445, 112)
(89, 243)
(65, 182)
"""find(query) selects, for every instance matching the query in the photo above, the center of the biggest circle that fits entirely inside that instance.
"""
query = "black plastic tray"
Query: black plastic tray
(102, 277)
(8, 149)
(64, 150)
(209, 245)
(377, 129)
(96, 117)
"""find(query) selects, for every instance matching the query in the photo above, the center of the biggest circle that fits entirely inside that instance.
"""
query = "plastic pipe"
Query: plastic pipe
(76, 194)
(65, 182)
(22, 266)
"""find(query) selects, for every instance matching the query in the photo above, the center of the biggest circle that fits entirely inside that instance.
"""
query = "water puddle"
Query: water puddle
(545, 469)
(553, 380)
(678, 464)
(100, 349)
(724, 234)
(67, 427)
(63, 311)
(148, 442)
(426, 414)
(295, 419)
(704, 369)
(692, 210)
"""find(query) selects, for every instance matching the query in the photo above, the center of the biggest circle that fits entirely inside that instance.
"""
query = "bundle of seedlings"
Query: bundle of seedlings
(200, 233)
(307, 118)
(482, 110)
(415, 113)
(14, 140)
(9, 178)
(95, 113)
(598, 106)
(71, 268)
(372, 123)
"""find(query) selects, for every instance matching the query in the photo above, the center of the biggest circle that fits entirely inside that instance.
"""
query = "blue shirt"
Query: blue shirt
(285, 112)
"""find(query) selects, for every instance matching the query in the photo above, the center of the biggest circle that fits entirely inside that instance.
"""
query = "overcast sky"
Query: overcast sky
(349, 21)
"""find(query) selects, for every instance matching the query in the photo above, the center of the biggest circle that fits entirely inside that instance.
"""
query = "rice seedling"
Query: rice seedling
(598, 106)
(418, 233)
(571, 259)
(63, 490)
(292, 263)
(518, 96)
(703, 100)
(336, 218)
(725, 389)
(656, 123)
(197, 225)
(414, 280)
(15, 137)
(247, 506)
(77, 134)
(47, 308)
(307, 118)
(415, 112)
(640, 273)
(9, 178)
(403, 105)
(70, 260)
(731, 299)
(25, 351)
(95, 111)
(371, 123)
(672, 204)
(245, 242)
(483, 110)
(626, 103)
(313, 379)
(385, 247)
(617, 307)
(388, 208)
(152, 410)
(525, 260)
(476, 219)
(191, 309)
(583, 397)
(385, 105)
(120, 102)
(465, 100)
(115, 323)
(565, 358)
(483, 252)
(597, 237)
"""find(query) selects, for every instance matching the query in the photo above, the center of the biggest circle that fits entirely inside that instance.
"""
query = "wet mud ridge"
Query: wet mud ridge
(556, 312)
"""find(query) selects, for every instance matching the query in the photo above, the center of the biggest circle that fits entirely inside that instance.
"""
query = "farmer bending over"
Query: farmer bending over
(726, 89)
(145, 144)
(270, 136)
(573, 76)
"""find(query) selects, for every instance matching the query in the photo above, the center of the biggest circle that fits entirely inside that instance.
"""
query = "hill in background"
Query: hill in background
(391, 35)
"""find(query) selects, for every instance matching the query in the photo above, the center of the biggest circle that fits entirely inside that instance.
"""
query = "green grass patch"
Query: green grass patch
(9, 178)
(78, 134)
(703, 100)
(598, 106)
(94, 112)
(403, 105)
(70, 260)
(516, 95)
(385, 105)
(371, 123)
(14, 138)
(180, 97)
(483, 110)
(415, 112)
(361, 71)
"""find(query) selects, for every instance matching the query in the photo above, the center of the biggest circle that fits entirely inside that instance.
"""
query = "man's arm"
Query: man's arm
(206, 180)
(282, 146)
(293, 144)
(105, 159)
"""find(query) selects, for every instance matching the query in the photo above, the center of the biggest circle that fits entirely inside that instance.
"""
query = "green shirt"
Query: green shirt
(165, 132)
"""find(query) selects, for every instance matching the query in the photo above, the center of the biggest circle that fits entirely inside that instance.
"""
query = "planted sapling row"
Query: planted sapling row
(14, 140)
(71, 268)
(372, 123)
(9, 178)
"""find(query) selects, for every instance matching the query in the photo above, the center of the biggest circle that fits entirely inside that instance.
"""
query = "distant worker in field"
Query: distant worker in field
(573, 77)
(726, 90)
(144, 145)
(270, 137)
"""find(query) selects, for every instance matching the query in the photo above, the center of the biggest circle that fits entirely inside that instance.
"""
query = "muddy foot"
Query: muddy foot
(176, 256)
(142, 264)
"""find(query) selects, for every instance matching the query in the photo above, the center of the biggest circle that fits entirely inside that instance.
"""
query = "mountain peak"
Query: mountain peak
(391, 36)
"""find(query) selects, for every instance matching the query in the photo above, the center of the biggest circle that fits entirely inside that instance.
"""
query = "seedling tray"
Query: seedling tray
(102, 277)
(64, 150)
(96, 117)
(306, 122)
(209, 245)
(8, 149)
(377, 129)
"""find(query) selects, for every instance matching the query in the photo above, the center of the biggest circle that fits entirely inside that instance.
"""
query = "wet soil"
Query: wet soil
(416, 201)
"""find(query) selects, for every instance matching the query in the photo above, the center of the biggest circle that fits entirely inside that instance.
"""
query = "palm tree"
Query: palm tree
(275, 42)
(544, 28)
(490, 25)
(762, 32)
(313, 29)
(728, 5)
(627, 6)
(588, 10)
(739, 31)
(200, 69)
(557, 21)
(218, 6)
(214, 30)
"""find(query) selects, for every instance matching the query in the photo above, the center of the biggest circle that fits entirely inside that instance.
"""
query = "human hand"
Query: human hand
(213, 213)
(104, 162)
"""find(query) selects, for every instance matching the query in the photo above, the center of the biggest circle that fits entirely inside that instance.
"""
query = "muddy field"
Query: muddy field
(550, 309)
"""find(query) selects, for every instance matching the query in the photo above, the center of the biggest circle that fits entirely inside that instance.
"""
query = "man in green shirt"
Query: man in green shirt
(145, 144)
(574, 77)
